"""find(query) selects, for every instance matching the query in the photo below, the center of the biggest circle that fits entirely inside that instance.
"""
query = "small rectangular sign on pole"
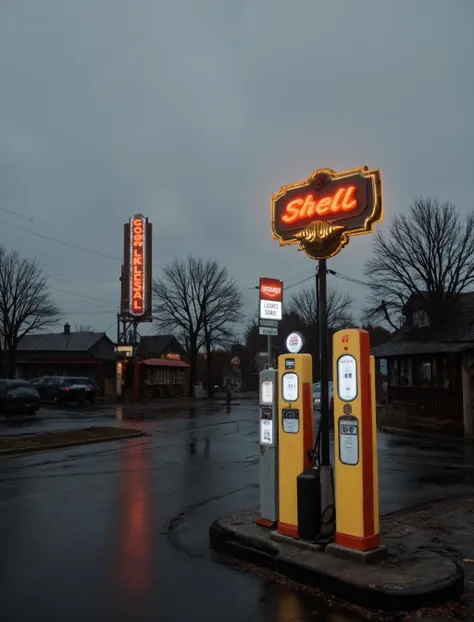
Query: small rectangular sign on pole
(270, 332)
(271, 299)
(268, 323)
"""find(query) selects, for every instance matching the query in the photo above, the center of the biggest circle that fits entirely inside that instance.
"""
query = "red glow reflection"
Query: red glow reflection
(134, 533)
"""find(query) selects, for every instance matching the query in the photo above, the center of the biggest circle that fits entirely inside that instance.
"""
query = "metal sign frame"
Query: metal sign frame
(326, 209)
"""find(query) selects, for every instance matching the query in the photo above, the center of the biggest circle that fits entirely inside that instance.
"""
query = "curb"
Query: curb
(6, 453)
(223, 539)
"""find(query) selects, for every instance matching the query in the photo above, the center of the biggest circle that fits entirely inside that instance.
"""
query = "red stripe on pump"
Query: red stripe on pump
(367, 437)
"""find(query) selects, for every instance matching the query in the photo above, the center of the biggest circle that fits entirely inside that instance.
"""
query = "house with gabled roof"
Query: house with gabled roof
(429, 373)
(69, 353)
(162, 367)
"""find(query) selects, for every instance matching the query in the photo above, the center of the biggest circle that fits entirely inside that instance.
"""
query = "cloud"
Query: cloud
(194, 113)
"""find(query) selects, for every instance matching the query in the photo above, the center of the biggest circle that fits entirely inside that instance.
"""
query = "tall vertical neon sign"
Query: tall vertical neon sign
(138, 265)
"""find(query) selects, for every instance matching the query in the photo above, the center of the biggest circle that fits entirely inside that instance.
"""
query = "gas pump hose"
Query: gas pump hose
(328, 514)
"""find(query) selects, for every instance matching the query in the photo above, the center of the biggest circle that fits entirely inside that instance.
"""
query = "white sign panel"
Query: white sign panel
(347, 378)
(294, 343)
(266, 432)
(266, 392)
(290, 387)
(291, 421)
(127, 350)
(349, 440)
(270, 310)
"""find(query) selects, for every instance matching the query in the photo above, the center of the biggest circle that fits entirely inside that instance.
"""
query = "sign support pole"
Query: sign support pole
(326, 474)
(323, 361)
(269, 349)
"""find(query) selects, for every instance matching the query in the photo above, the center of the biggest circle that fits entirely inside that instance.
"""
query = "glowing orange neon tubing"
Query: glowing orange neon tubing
(303, 208)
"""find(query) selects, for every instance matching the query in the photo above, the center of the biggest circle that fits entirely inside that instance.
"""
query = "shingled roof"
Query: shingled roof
(154, 345)
(60, 342)
(456, 335)
(400, 347)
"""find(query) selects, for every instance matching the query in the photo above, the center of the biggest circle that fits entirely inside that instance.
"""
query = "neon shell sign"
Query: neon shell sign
(322, 212)
(137, 265)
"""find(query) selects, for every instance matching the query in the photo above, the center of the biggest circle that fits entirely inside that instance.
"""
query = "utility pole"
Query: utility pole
(326, 474)
(323, 360)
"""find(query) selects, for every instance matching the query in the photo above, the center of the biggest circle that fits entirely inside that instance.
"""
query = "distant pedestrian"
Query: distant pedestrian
(228, 393)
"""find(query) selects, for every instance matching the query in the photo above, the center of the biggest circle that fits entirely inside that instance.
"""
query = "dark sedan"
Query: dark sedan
(88, 385)
(64, 389)
(18, 396)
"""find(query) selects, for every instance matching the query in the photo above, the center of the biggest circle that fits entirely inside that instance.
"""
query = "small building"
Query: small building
(68, 354)
(429, 374)
(163, 369)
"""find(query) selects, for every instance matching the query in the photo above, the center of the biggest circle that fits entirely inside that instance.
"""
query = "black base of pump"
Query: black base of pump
(308, 487)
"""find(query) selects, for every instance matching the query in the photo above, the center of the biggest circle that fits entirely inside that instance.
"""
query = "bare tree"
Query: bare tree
(198, 300)
(25, 304)
(429, 253)
(215, 336)
(84, 328)
(340, 305)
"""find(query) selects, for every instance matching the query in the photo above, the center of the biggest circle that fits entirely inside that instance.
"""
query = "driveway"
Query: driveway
(119, 531)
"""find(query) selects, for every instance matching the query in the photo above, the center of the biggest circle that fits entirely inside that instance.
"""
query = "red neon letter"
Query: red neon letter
(348, 204)
(292, 212)
(309, 207)
(335, 207)
(324, 206)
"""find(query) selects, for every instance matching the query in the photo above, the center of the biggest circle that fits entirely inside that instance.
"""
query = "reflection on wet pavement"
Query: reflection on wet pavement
(135, 535)
(121, 529)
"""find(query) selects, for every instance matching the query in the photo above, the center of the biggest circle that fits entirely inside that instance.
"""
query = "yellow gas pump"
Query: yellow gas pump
(295, 433)
(355, 441)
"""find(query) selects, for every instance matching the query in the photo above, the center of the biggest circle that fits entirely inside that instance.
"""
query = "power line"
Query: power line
(348, 278)
(58, 276)
(111, 326)
(51, 239)
(109, 312)
(30, 218)
(70, 244)
(293, 278)
(63, 291)
(61, 280)
(311, 276)
(299, 282)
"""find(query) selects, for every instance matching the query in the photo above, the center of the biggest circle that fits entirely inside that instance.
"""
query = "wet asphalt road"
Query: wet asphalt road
(119, 531)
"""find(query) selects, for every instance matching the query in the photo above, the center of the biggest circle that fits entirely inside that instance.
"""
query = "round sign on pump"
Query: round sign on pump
(294, 343)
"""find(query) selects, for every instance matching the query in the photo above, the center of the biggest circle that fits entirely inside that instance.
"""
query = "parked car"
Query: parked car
(18, 396)
(89, 385)
(65, 389)
(317, 395)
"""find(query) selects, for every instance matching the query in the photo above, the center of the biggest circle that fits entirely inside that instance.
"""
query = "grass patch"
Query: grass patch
(64, 437)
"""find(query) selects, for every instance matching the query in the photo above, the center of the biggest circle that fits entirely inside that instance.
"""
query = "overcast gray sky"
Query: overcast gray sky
(195, 111)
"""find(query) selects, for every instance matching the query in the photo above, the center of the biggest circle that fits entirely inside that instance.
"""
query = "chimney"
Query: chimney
(67, 329)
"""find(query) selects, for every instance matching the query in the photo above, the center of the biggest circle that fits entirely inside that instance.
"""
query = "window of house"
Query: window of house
(445, 381)
(426, 373)
(406, 376)
(420, 319)
(395, 379)
(435, 373)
